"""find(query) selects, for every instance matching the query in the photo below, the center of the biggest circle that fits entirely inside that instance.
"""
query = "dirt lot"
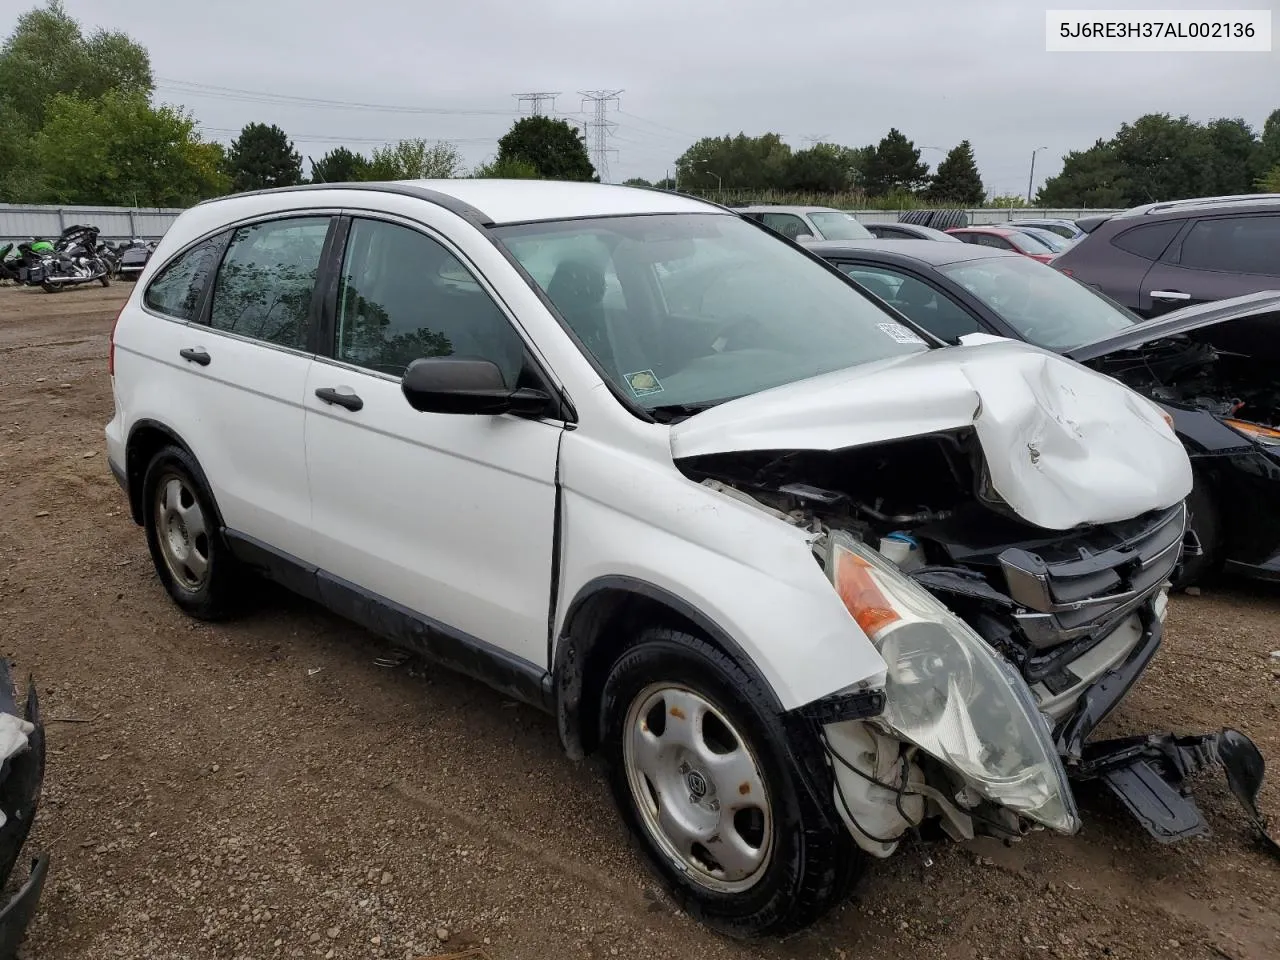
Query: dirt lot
(264, 789)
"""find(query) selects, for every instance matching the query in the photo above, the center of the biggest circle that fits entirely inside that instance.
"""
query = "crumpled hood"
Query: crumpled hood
(1064, 445)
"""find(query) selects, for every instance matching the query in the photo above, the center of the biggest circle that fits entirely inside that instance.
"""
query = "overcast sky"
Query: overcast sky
(939, 70)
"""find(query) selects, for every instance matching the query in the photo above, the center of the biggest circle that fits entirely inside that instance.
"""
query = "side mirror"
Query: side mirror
(804, 238)
(464, 385)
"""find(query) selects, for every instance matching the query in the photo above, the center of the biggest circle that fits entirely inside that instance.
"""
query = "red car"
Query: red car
(1003, 238)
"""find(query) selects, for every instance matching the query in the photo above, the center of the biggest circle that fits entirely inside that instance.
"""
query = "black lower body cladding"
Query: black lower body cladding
(22, 779)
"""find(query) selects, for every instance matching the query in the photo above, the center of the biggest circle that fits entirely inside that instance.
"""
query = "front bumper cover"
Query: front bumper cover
(1150, 773)
(21, 780)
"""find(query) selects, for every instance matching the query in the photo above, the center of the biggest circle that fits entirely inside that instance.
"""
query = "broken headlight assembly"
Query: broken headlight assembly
(1265, 436)
(950, 694)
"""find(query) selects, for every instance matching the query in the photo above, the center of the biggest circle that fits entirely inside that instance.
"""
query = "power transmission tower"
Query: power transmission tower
(600, 129)
(812, 140)
(536, 99)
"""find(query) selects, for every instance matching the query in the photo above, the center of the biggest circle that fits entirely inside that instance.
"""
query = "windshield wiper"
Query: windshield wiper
(675, 412)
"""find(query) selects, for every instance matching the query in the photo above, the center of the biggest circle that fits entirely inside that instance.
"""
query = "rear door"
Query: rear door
(244, 363)
(1216, 258)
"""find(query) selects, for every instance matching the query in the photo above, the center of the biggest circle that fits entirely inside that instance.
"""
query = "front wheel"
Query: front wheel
(1204, 521)
(713, 791)
(105, 280)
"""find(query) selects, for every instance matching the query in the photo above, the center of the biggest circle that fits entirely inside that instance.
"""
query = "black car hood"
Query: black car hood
(1263, 309)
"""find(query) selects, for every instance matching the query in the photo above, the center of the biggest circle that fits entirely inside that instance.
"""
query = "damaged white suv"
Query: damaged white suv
(806, 579)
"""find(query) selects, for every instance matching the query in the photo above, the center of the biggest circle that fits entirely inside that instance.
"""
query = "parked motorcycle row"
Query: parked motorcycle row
(75, 258)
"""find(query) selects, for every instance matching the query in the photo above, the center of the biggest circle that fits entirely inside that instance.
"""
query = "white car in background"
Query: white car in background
(804, 224)
(794, 568)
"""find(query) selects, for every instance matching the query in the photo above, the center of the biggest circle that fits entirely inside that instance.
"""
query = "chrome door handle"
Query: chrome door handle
(1169, 295)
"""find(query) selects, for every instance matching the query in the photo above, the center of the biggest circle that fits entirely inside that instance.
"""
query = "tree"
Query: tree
(957, 180)
(1006, 200)
(556, 150)
(734, 163)
(1090, 178)
(1236, 157)
(666, 183)
(512, 168)
(822, 168)
(415, 159)
(119, 150)
(1270, 181)
(1269, 148)
(895, 165)
(47, 54)
(340, 165)
(636, 182)
(262, 157)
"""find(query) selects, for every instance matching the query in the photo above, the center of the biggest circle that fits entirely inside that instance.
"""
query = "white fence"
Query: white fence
(23, 221)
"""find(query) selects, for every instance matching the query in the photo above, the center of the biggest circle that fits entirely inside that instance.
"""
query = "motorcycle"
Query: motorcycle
(9, 263)
(73, 261)
(134, 256)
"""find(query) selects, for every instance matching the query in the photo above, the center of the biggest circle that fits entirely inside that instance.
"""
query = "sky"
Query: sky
(333, 72)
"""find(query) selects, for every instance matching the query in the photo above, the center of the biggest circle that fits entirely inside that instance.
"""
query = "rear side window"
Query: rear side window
(1149, 240)
(787, 224)
(934, 311)
(176, 289)
(263, 288)
(1234, 244)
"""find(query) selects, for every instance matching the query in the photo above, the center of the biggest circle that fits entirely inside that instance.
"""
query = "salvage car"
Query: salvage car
(805, 577)
(1211, 367)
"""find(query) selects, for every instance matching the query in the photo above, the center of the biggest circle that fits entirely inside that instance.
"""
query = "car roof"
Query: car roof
(1202, 204)
(986, 228)
(495, 201)
(931, 252)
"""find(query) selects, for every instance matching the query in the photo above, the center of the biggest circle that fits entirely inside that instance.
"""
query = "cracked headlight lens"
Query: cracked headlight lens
(949, 693)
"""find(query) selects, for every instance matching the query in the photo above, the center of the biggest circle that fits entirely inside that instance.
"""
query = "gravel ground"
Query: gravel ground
(263, 789)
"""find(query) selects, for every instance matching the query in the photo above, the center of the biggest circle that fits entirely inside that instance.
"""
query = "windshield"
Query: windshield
(1048, 238)
(1044, 306)
(839, 226)
(689, 310)
(1028, 244)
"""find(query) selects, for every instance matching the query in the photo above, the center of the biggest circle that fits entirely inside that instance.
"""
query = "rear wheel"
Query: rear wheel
(710, 786)
(190, 556)
(105, 280)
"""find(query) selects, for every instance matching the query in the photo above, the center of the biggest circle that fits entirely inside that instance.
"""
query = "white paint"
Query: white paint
(1065, 446)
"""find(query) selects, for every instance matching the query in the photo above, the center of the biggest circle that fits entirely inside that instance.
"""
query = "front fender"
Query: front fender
(752, 575)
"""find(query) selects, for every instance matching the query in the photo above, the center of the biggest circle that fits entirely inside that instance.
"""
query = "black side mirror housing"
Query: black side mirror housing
(468, 386)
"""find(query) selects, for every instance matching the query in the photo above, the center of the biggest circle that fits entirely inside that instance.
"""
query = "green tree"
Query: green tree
(666, 183)
(822, 168)
(636, 182)
(1270, 181)
(553, 147)
(415, 159)
(119, 150)
(895, 165)
(262, 157)
(1090, 178)
(340, 165)
(957, 180)
(1006, 200)
(512, 168)
(1236, 157)
(734, 163)
(48, 54)
(1269, 148)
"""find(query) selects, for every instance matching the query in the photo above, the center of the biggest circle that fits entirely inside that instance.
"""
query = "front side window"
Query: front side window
(714, 307)
(925, 305)
(176, 289)
(1235, 245)
(1043, 305)
(264, 286)
(402, 296)
(839, 226)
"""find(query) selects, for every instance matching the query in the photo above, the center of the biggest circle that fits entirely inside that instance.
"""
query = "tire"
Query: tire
(105, 280)
(184, 536)
(788, 859)
(1205, 520)
(48, 287)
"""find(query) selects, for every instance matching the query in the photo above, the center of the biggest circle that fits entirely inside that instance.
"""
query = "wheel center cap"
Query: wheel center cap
(696, 783)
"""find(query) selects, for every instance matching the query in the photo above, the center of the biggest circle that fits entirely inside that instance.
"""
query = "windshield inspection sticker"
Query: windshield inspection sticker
(643, 383)
(899, 333)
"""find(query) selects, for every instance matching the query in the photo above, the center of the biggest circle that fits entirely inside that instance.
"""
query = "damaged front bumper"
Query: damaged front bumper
(1150, 773)
(21, 780)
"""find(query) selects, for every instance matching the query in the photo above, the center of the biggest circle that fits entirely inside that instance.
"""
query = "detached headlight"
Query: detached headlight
(1255, 432)
(949, 693)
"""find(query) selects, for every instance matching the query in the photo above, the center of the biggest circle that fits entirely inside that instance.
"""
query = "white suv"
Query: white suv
(794, 571)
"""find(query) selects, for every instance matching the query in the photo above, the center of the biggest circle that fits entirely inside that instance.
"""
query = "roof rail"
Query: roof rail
(1162, 206)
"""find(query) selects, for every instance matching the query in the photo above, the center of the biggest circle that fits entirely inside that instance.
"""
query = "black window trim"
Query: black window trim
(1173, 245)
(325, 327)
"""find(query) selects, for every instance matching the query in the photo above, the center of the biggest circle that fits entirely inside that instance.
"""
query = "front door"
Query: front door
(449, 517)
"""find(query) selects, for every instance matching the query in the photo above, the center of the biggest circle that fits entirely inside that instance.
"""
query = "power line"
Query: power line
(342, 138)
(262, 96)
(600, 129)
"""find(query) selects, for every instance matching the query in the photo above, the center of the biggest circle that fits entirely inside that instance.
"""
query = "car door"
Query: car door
(788, 224)
(441, 525)
(238, 357)
(916, 298)
(1217, 258)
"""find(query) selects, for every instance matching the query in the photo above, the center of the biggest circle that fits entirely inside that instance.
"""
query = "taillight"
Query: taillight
(1068, 271)
(111, 343)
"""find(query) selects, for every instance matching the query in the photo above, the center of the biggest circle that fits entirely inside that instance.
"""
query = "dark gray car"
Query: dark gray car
(1163, 256)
